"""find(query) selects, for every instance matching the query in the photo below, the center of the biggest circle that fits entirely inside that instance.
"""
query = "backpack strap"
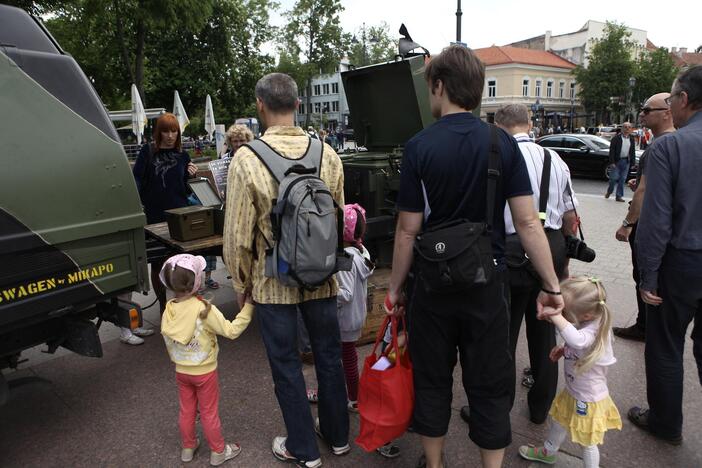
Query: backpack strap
(543, 189)
(494, 173)
(279, 166)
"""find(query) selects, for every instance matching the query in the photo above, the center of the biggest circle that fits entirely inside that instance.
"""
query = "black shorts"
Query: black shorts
(476, 324)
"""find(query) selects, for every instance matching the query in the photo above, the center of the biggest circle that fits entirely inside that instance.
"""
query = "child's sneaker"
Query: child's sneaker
(230, 451)
(389, 451)
(338, 451)
(282, 454)
(538, 454)
(352, 406)
(187, 454)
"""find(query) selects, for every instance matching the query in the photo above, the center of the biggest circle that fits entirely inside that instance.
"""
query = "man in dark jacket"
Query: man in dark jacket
(621, 154)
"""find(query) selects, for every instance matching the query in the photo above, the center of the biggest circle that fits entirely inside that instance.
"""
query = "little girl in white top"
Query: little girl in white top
(583, 408)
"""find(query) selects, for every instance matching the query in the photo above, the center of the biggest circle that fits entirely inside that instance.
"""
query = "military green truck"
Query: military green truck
(389, 104)
(71, 222)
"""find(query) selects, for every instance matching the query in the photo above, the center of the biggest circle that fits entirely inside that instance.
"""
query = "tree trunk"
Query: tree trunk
(119, 28)
(308, 106)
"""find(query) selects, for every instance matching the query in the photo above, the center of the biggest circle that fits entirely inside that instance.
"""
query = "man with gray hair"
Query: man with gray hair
(247, 236)
(621, 154)
(669, 248)
(558, 217)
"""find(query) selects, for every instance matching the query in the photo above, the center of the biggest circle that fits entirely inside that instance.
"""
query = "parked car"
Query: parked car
(585, 155)
(605, 132)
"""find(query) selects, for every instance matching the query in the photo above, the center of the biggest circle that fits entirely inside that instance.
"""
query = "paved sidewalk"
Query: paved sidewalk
(121, 410)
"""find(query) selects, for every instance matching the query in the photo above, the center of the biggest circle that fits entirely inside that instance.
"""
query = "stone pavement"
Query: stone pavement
(121, 410)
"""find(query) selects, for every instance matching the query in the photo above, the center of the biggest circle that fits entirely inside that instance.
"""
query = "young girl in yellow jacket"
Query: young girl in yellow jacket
(190, 325)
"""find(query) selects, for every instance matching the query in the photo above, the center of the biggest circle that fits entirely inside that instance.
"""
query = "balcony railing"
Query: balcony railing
(529, 100)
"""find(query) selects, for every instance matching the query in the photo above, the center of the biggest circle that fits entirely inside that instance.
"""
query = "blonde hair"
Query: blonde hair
(237, 131)
(586, 295)
(181, 280)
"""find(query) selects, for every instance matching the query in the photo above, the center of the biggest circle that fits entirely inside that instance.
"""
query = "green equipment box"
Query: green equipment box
(190, 223)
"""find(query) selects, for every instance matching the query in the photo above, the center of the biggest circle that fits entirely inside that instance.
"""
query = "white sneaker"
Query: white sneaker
(141, 331)
(282, 454)
(338, 451)
(187, 454)
(131, 340)
(230, 451)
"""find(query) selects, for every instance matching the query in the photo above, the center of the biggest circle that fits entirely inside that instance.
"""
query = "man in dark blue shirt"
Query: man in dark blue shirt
(669, 247)
(444, 178)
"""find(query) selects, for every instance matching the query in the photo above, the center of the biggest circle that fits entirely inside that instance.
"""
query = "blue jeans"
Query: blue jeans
(618, 177)
(278, 324)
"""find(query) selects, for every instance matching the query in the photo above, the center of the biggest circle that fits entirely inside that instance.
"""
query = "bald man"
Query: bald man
(655, 114)
(621, 154)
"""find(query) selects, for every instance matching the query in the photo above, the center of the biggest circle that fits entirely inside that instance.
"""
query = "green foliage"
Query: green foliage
(371, 45)
(655, 73)
(608, 72)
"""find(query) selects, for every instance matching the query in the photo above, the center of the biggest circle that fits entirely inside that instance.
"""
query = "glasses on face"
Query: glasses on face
(648, 110)
(669, 99)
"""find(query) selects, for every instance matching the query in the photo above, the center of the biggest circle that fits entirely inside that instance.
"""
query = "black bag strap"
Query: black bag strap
(494, 173)
(545, 183)
(279, 166)
(577, 216)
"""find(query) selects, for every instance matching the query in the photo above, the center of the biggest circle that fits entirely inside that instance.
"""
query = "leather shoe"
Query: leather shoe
(608, 194)
(630, 333)
(639, 417)
(465, 413)
(619, 199)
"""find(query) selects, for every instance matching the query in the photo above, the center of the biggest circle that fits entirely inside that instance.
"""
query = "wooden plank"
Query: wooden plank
(377, 288)
(160, 232)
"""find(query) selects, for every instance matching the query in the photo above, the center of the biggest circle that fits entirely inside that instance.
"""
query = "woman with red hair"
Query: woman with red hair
(161, 172)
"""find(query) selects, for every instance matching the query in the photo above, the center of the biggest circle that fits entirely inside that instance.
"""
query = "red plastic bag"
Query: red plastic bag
(385, 398)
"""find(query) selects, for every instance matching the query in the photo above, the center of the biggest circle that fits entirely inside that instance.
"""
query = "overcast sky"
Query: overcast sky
(432, 23)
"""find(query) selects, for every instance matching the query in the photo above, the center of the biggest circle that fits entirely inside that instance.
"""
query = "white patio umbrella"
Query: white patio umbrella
(210, 124)
(179, 112)
(138, 115)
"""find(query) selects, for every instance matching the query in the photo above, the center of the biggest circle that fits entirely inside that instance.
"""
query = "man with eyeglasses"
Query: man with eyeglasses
(655, 115)
(621, 153)
(669, 248)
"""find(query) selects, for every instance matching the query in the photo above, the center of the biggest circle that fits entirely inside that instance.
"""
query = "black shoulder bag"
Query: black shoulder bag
(457, 255)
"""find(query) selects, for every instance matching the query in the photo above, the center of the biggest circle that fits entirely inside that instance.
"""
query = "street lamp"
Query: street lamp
(535, 109)
(632, 83)
(572, 106)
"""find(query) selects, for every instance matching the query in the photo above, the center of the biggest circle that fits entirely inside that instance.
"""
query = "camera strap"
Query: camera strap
(544, 187)
(577, 216)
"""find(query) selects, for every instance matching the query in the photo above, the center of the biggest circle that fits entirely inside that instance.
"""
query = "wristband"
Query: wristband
(552, 293)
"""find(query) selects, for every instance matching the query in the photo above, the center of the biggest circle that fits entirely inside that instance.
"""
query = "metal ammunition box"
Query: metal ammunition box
(190, 223)
(206, 193)
(389, 103)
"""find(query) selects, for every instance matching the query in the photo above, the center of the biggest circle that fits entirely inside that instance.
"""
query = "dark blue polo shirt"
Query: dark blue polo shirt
(444, 174)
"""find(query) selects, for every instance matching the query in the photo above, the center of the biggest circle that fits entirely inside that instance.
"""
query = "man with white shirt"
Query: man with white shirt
(558, 219)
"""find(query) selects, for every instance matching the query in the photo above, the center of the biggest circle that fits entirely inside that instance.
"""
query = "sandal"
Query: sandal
(312, 396)
(212, 284)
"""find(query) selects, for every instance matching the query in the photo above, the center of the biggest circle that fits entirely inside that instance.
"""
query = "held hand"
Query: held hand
(623, 234)
(651, 297)
(394, 304)
(632, 184)
(548, 304)
(556, 353)
(192, 169)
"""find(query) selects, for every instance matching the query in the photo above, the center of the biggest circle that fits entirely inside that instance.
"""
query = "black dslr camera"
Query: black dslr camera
(578, 249)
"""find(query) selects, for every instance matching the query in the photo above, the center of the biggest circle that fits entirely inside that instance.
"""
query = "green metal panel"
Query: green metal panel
(68, 183)
(389, 102)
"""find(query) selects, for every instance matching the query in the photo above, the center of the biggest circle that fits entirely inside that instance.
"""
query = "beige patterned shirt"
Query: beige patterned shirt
(250, 193)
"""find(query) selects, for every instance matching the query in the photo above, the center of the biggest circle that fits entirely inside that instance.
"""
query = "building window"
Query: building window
(561, 89)
(549, 89)
(492, 88)
(302, 108)
(537, 89)
(317, 89)
(326, 106)
(326, 88)
(572, 90)
(317, 107)
(335, 88)
(525, 87)
(335, 106)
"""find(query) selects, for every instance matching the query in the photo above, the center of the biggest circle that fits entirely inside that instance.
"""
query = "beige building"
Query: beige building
(540, 80)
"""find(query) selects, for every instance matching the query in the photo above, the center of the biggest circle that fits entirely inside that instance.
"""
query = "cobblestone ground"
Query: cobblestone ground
(121, 410)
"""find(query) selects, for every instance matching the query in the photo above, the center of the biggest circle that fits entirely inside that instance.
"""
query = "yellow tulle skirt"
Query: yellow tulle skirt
(586, 422)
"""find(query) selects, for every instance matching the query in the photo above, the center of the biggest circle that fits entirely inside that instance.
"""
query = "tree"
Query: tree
(655, 73)
(313, 32)
(604, 84)
(372, 45)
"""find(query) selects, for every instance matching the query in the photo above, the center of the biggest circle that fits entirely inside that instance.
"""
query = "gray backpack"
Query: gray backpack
(307, 223)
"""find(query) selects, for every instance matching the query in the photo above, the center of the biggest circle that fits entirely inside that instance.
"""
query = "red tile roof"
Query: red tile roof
(497, 55)
(686, 59)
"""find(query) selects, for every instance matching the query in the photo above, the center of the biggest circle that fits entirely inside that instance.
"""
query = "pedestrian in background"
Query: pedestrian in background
(237, 135)
(670, 257)
(656, 115)
(622, 150)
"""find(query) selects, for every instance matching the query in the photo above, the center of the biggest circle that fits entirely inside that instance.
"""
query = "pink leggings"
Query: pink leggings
(349, 359)
(202, 390)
